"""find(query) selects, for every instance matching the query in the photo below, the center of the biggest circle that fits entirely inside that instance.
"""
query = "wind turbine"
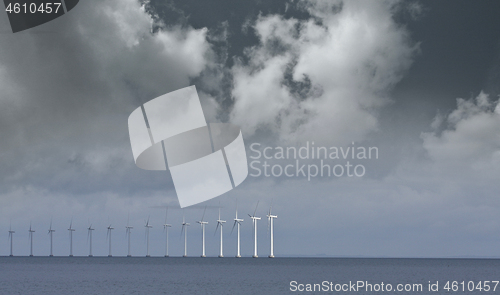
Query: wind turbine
(89, 235)
(31, 240)
(270, 225)
(254, 221)
(147, 226)
(221, 223)
(50, 233)
(202, 224)
(109, 235)
(128, 231)
(165, 228)
(184, 225)
(71, 230)
(238, 222)
(11, 236)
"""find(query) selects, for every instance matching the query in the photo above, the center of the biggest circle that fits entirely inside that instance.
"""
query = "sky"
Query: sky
(417, 80)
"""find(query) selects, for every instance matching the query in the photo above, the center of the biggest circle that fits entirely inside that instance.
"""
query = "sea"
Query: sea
(212, 275)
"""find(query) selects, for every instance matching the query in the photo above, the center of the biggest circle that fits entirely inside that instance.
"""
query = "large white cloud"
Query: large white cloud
(350, 53)
(69, 85)
(468, 147)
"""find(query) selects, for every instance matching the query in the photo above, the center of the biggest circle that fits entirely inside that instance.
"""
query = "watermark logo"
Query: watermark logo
(26, 14)
(205, 160)
(310, 161)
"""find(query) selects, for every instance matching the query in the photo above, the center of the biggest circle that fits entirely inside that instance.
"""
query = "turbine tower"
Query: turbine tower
(50, 233)
(128, 231)
(31, 240)
(221, 223)
(147, 226)
(238, 222)
(165, 228)
(109, 235)
(270, 225)
(11, 236)
(71, 230)
(254, 221)
(202, 224)
(184, 228)
(89, 235)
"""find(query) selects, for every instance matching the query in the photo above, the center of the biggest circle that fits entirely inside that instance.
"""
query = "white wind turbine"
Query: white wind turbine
(147, 226)
(184, 228)
(51, 231)
(221, 223)
(128, 232)
(71, 230)
(165, 228)
(89, 238)
(31, 240)
(254, 221)
(11, 236)
(270, 225)
(237, 221)
(202, 224)
(108, 234)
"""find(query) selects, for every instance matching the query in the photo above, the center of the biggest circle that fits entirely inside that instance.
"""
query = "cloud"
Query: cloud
(324, 78)
(469, 144)
(69, 86)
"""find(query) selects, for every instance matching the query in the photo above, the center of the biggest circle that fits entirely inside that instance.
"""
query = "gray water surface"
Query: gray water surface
(176, 275)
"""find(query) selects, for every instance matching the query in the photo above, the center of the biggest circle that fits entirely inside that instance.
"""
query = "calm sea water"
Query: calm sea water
(158, 275)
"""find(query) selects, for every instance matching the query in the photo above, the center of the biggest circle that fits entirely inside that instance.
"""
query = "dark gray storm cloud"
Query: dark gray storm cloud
(385, 74)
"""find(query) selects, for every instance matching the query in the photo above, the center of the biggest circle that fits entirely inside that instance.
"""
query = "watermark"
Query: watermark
(310, 161)
(205, 160)
(367, 286)
(26, 14)
(357, 286)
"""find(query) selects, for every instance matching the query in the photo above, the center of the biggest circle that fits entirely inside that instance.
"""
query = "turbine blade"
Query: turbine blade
(204, 213)
(216, 228)
(234, 224)
(254, 212)
(268, 221)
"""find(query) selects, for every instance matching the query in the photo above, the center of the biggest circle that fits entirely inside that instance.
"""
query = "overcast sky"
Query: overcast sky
(419, 80)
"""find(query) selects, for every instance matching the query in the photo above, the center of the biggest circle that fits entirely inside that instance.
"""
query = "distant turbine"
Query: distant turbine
(202, 224)
(31, 240)
(128, 231)
(109, 235)
(165, 228)
(71, 230)
(89, 235)
(221, 223)
(184, 228)
(148, 226)
(50, 233)
(237, 221)
(254, 221)
(270, 225)
(11, 236)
